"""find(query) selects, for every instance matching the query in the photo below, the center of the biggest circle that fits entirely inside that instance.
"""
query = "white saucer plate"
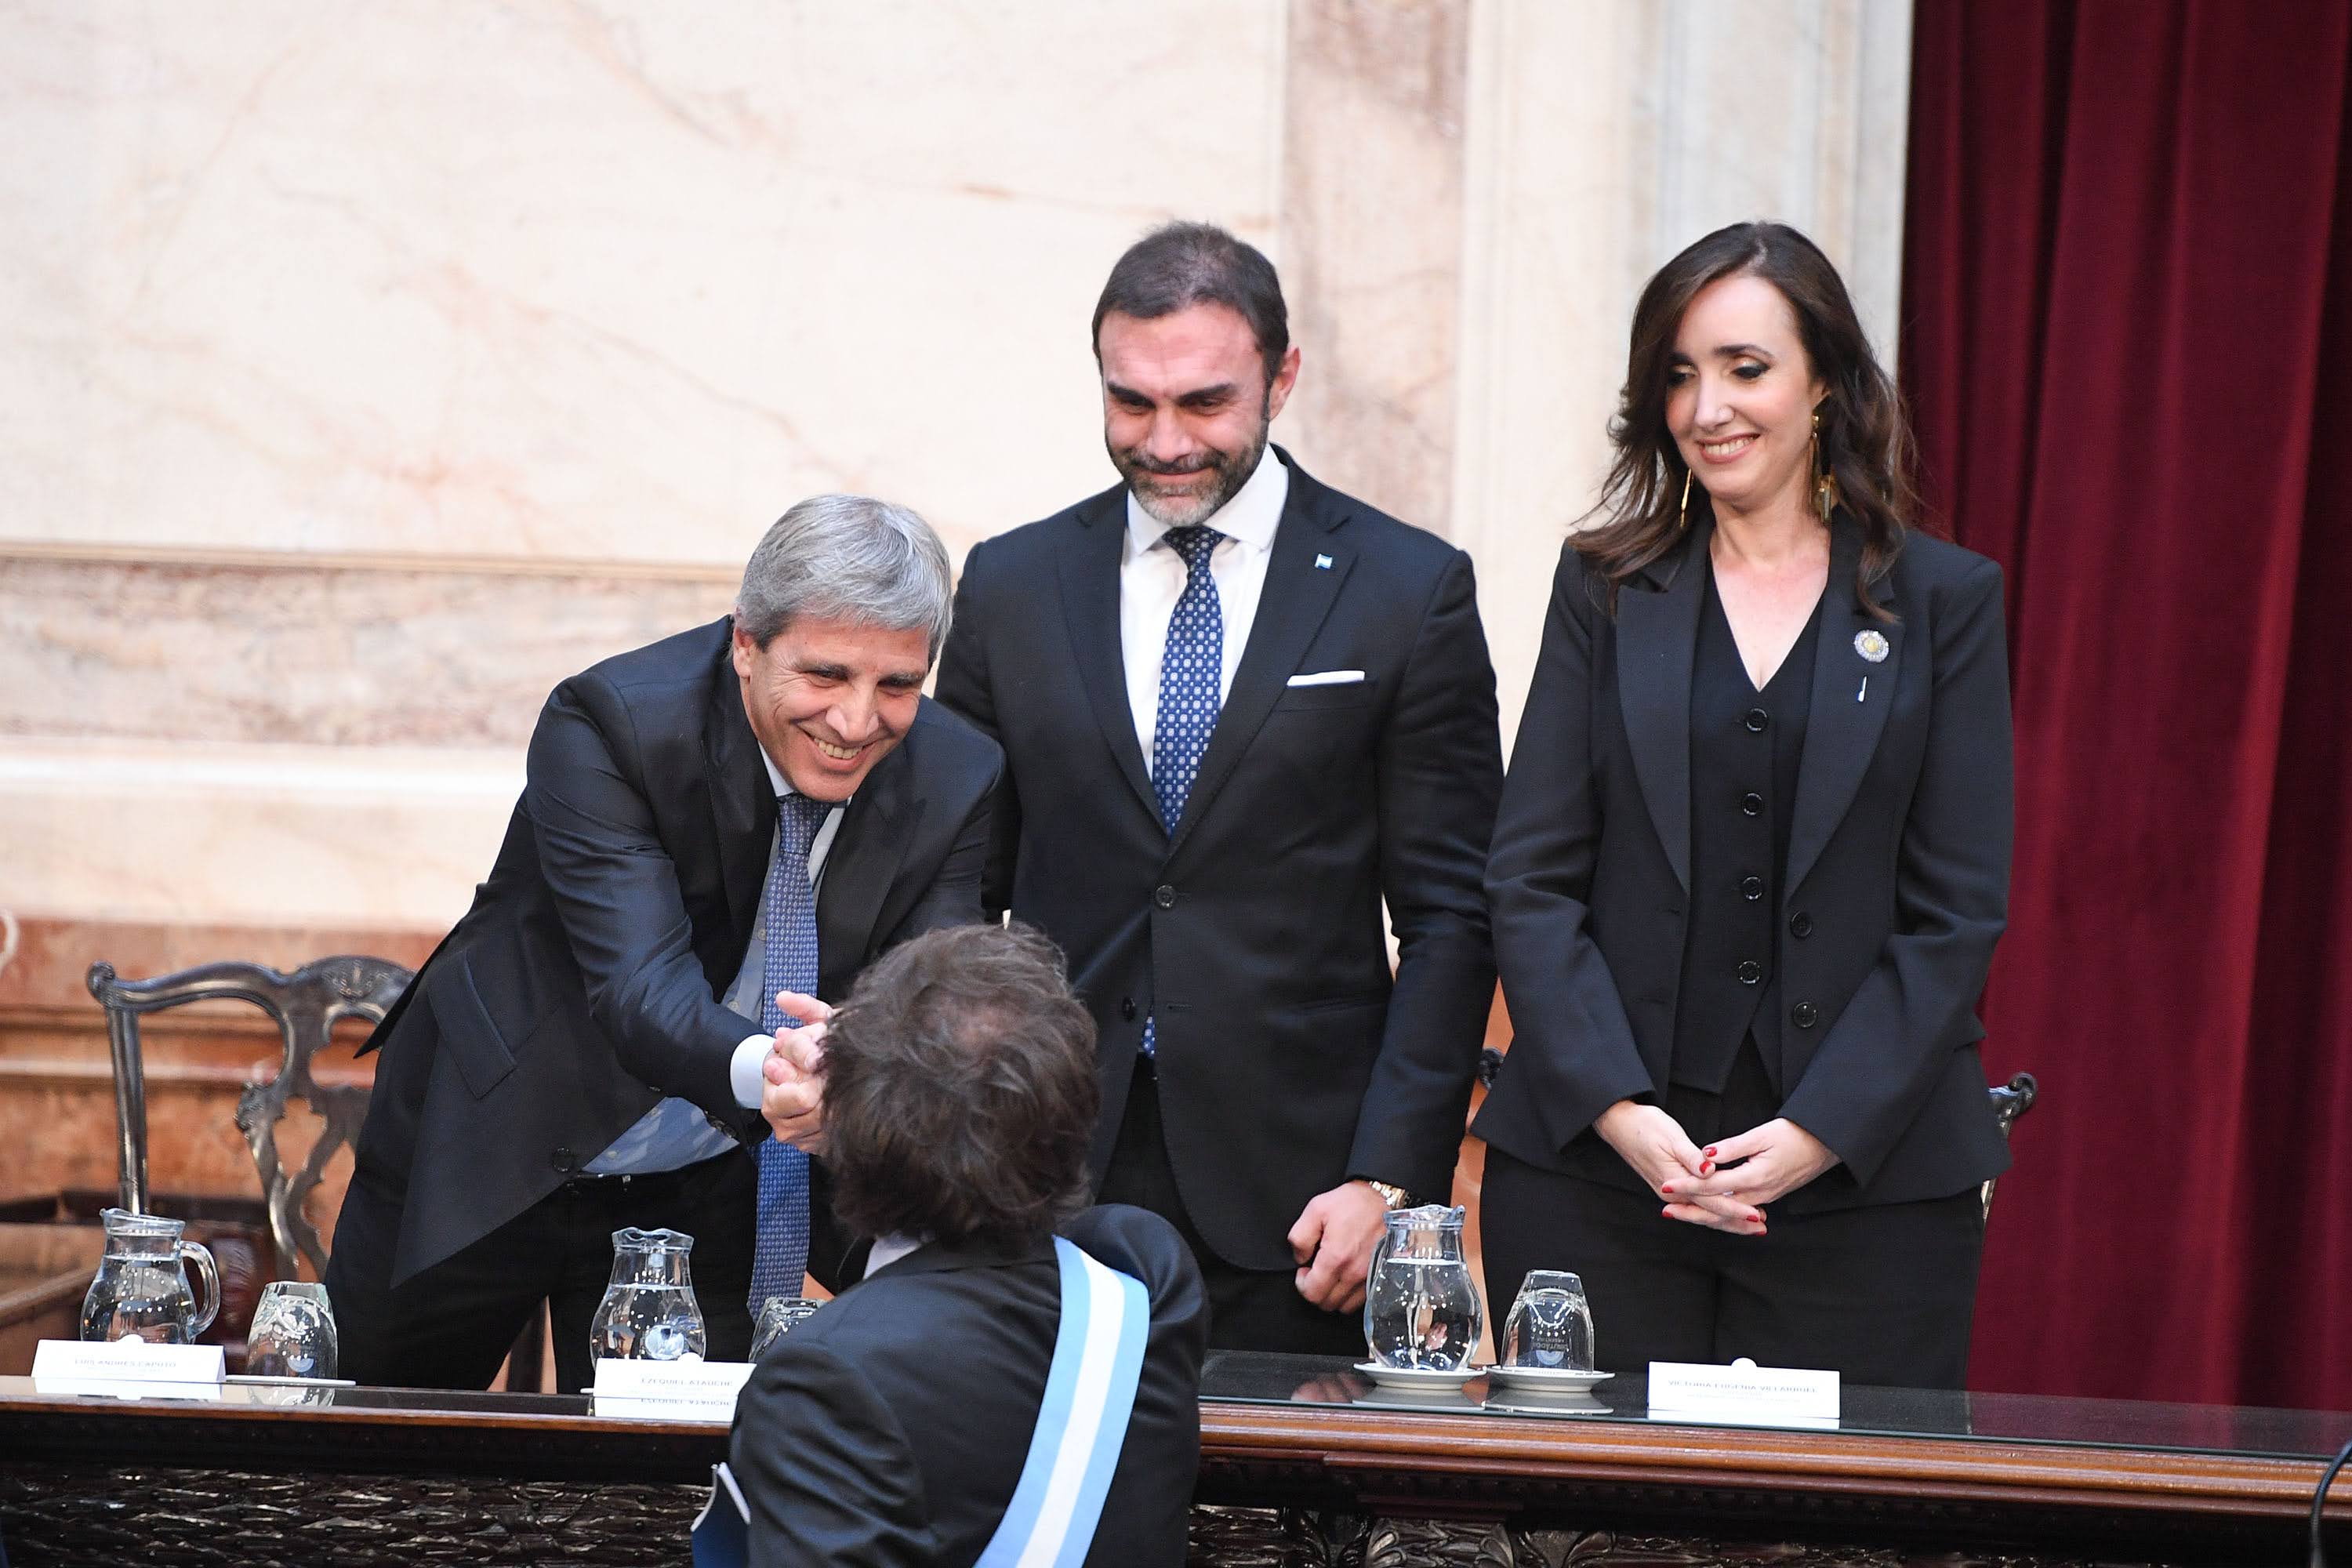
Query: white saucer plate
(1544, 1379)
(1418, 1379)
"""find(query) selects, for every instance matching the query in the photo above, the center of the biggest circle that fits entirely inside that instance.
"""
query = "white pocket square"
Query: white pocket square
(1328, 678)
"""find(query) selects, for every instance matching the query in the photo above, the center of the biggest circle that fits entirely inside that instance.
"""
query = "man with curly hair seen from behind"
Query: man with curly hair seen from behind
(895, 1426)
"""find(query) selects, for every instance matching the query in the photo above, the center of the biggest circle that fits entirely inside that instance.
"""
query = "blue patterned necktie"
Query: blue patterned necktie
(1192, 679)
(780, 1251)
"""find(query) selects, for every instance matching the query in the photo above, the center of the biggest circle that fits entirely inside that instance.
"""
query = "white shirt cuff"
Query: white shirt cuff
(744, 1071)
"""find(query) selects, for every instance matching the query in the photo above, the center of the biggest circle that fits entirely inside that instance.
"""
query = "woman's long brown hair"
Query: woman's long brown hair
(1864, 440)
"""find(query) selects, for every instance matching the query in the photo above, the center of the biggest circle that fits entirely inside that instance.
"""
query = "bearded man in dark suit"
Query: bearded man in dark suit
(1241, 714)
(759, 806)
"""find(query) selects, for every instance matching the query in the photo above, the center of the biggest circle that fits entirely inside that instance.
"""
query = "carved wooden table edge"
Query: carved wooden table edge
(1986, 1489)
(548, 1446)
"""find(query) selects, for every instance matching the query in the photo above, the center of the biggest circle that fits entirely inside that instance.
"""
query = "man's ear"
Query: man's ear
(1285, 379)
(746, 654)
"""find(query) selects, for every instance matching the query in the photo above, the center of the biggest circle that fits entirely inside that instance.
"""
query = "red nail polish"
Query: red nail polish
(1666, 1190)
(1706, 1168)
(1708, 1150)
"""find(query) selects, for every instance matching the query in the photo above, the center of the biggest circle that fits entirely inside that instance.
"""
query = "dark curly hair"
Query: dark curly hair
(1866, 442)
(960, 1092)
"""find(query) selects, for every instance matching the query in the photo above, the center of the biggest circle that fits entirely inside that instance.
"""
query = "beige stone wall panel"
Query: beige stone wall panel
(610, 280)
(316, 652)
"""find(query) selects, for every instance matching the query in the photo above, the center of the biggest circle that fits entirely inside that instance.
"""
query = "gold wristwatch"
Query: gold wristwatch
(1392, 1194)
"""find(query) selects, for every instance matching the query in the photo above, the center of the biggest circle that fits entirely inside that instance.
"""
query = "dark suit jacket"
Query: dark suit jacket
(1287, 1060)
(1896, 887)
(585, 984)
(892, 1426)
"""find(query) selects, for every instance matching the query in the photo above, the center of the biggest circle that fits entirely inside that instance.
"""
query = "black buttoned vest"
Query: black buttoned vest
(1745, 746)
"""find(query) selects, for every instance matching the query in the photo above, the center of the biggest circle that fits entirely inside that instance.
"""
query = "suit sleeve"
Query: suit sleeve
(826, 1470)
(963, 686)
(1572, 1055)
(1887, 1049)
(1439, 769)
(616, 891)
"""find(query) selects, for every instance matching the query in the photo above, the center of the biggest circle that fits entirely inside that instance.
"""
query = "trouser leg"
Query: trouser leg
(1249, 1309)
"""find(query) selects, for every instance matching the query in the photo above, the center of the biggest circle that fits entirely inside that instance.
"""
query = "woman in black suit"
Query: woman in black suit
(1752, 859)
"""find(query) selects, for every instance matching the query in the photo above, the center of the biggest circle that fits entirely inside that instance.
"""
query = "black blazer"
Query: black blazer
(1287, 1060)
(1896, 887)
(585, 984)
(892, 1426)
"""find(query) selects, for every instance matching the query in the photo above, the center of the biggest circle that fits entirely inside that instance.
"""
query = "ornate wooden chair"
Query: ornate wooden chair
(306, 1005)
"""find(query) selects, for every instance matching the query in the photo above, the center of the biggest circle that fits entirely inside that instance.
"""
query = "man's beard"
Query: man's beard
(1233, 470)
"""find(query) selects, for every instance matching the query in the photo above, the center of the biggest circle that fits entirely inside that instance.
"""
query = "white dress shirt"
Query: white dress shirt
(676, 1133)
(1151, 579)
(886, 1250)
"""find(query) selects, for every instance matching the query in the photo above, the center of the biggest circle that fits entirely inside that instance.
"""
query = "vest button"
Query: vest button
(1127, 1008)
(1801, 924)
(563, 1159)
(1751, 887)
(1804, 1015)
(1750, 972)
(1164, 896)
(1756, 721)
(1751, 804)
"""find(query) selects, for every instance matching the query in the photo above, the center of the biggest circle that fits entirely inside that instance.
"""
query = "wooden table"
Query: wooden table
(386, 1475)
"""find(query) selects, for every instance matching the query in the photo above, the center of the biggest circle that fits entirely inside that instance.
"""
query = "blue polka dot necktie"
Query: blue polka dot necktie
(1192, 679)
(780, 1251)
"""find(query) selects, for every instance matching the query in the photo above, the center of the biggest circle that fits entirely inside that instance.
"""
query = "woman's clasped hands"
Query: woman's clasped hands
(1725, 1185)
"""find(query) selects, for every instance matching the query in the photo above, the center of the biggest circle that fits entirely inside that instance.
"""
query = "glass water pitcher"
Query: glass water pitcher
(649, 1312)
(1421, 1306)
(141, 1289)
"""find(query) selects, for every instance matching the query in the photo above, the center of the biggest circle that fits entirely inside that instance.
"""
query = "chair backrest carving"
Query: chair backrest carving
(306, 1005)
(2009, 1102)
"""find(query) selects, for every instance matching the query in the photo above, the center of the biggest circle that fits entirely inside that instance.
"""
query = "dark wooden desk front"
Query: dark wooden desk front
(391, 1476)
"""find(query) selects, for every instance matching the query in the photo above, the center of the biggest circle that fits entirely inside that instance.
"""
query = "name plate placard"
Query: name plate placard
(128, 1369)
(669, 1390)
(1743, 1391)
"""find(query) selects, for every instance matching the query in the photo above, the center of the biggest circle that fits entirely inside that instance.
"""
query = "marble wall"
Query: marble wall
(363, 369)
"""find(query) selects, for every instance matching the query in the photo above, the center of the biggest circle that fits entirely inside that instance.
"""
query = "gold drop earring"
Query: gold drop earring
(1825, 486)
(1682, 513)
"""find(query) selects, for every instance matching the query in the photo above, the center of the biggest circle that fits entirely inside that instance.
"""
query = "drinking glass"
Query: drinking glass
(1551, 1326)
(293, 1333)
(779, 1315)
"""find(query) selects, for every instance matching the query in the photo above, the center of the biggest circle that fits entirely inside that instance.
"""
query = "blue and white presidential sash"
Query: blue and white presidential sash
(722, 1531)
(1081, 1426)
(1089, 1394)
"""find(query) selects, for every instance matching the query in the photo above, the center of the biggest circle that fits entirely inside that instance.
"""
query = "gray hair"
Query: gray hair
(849, 558)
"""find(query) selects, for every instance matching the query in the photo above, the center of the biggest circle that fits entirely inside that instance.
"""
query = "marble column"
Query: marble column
(1371, 245)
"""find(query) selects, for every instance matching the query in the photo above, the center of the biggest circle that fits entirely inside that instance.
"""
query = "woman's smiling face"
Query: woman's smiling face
(1741, 394)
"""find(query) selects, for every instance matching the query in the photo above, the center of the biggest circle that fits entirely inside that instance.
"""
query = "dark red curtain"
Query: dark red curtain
(2127, 340)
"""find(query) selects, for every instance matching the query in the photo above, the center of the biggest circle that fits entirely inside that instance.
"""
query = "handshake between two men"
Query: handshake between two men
(1333, 1240)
